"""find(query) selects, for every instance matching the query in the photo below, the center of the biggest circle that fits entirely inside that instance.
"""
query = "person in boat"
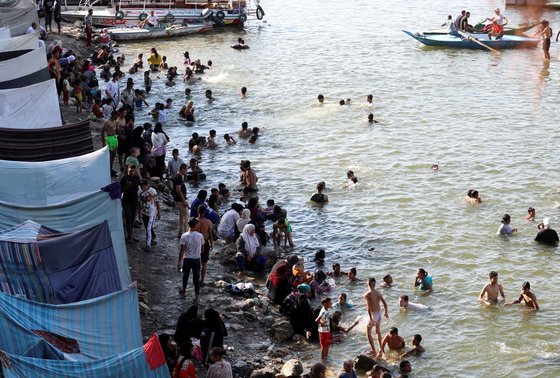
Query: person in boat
(495, 30)
(500, 18)
(458, 19)
(451, 28)
(464, 25)
(151, 21)
(546, 34)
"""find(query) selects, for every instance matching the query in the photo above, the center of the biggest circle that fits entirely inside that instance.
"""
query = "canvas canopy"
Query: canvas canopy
(31, 107)
(16, 46)
(72, 216)
(82, 331)
(46, 144)
(24, 70)
(18, 15)
(144, 362)
(5, 32)
(55, 181)
(44, 265)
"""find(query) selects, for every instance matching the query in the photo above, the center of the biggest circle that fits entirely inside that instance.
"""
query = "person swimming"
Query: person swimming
(473, 197)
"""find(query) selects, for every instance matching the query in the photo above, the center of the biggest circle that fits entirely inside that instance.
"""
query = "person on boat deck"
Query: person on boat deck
(464, 25)
(498, 17)
(450, 26)
(458, 19)
(152, 21)
(495, 30)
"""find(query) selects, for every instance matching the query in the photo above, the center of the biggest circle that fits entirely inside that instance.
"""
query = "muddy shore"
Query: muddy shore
(260, 340)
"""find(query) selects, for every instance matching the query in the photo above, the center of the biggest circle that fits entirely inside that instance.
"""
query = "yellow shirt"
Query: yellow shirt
(153, 60)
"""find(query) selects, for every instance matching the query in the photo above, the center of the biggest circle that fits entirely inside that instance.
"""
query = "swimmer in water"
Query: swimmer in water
(473, 197)
(416, 350)
(243, 92)
(527, 296)
(352, 274)
(531, 214)
(406, 305)
(370, 118)
(342, 102)
(369, 100)
(490, 291)
(392, 340)
(435, 167)
(505, 228)
(320, 99)
(388, 281)
(347, 102)
(351, 183)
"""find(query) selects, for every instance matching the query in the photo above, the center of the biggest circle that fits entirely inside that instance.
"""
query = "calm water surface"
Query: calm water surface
(490, 122)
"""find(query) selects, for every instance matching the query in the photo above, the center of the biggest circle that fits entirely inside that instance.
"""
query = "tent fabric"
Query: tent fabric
(46, 144)
(13, 47)
(18, 15)
(5, 32)
(72, 216)
(55, 181)
(132, 364)
(60, 268)
(33, 107)
(27, 69)
(82, 331)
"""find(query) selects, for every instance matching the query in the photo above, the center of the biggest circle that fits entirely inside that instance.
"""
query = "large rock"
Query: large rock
(266, 372)
(241, 369)
(282, 330)
(364, 362)
(292, 368)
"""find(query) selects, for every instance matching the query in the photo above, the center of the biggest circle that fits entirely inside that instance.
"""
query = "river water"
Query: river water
(488, 121)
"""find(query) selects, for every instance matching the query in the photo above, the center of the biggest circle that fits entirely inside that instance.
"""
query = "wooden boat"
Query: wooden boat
(508, 30)
(553, 4)
(446, 40)
(130, 12)
(136, 33)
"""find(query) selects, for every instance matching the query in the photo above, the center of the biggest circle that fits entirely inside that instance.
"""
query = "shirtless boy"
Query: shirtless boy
(527, 296)
(489, 293)
(392, 340)
(373, 299)
(109, 133)
(416, 350)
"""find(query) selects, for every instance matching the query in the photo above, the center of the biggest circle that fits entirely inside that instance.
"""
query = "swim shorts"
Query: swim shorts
(112, 142)
(325, 339)
(205, 255)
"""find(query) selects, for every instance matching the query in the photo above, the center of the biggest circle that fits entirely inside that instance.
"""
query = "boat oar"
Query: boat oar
(478, 42)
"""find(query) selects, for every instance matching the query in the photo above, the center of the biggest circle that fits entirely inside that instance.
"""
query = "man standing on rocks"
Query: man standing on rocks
(88, 21)
(189, 258)
(204, 226)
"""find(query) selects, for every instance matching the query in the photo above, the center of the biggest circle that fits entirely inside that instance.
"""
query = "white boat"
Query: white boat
(136, 33)
(131, 12)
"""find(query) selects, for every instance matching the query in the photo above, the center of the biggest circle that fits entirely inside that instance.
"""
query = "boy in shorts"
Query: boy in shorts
(373, 299)
(324, 321)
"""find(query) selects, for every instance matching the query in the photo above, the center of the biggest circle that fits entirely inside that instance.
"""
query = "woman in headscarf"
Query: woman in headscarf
(169, 350)
(248, 250)
(244, 220)
(159, 140)
(319, 370)
(188, 325)
(213, 333)
(279, 281)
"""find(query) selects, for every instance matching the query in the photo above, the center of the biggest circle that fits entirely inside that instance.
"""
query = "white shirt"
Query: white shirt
(450, 26)
(112, 87)
(148, 208)
(499, 18)
(152, 20)
(163, 116)
(229, 221)
(158, 140)
(193, 240)
(30, 30)
(416, 306)
(324, 316)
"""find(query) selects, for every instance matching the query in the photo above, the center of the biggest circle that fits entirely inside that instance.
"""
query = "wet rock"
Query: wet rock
(364, 362)
(266, 372)
(282, 330)
(297, 337)
(250, 317)
(241, 369)
(292, 368)
(279, 352)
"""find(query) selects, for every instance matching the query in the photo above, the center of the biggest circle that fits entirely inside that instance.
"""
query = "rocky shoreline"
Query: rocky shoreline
(260, 341)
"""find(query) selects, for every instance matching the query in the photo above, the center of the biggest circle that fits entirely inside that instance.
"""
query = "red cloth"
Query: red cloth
(325, 339)
(154, 352)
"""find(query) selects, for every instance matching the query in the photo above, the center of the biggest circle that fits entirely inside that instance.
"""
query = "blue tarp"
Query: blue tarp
(132, 364)
(43, 265)
(82, 331)
(73, 216)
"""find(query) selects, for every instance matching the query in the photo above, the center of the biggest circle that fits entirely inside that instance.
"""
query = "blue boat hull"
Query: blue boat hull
(446, 40)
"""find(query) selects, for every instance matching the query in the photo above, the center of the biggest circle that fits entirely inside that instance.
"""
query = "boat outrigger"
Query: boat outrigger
(131, 12)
